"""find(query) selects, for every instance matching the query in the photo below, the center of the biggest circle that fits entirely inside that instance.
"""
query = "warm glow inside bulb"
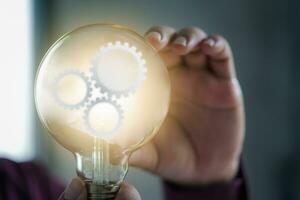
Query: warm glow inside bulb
(104, 118)
(102, 92)
(103, 81)
(120, 63)
(71, 89)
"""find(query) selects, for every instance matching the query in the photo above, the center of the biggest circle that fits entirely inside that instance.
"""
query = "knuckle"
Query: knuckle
(162, 28)
(219, 37)
(192, 30)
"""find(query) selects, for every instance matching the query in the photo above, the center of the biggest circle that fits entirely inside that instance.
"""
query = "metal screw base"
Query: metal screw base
(101, 192)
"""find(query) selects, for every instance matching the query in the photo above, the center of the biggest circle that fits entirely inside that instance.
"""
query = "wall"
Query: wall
(259, 32)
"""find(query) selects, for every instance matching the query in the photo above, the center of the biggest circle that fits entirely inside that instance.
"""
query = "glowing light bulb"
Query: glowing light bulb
(102, 92)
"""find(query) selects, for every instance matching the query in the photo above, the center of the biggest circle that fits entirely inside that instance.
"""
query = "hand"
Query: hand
(77, 191)
(201, 140)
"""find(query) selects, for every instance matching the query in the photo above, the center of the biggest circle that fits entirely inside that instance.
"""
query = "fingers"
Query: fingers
(192, 46)
(128, 192)
(116, 155)
(173, 45)
(182, 42)
(145, 158)
(186, 40)
(159, 36)
(220, 56)
(185, 44)
(75, 191)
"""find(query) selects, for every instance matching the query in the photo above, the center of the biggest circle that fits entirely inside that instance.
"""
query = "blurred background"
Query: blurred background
(264, 36)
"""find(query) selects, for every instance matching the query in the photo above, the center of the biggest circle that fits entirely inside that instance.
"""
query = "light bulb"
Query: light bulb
(102, 92)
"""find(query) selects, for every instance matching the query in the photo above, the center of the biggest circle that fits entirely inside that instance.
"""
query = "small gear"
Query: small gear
(81, 76)
(104, 106)
(118, 69)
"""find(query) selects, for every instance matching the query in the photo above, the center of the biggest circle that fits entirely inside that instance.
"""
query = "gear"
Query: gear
(107, 106)
(118, 69)
(81, 76)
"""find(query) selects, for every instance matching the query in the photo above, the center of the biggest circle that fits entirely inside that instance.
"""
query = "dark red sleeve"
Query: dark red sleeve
(233, 190)
(27, 180)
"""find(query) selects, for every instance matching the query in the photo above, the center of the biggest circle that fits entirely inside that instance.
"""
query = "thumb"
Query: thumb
(128, 192)
(145, 158)
(75, 191)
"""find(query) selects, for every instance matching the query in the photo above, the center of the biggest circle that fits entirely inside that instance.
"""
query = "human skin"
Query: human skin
(76, 190)
(201, 139)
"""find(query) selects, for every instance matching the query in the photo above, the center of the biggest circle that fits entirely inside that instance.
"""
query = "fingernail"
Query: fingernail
(155, 35)
(180, 41)
(210, 42)
(73, 190)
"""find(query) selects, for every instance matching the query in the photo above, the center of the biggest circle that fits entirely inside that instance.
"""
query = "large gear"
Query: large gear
(103, 134)
(137, 61)
(80, 75)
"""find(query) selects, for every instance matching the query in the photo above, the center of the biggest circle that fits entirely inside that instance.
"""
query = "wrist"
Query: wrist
(224, 173)
(234, 188)
(210, 175)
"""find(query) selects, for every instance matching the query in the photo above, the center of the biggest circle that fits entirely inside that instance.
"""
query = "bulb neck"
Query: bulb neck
(103, 169)
(99, 191)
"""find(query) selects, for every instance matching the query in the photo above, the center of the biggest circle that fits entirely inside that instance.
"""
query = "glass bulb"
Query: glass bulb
(102, 92)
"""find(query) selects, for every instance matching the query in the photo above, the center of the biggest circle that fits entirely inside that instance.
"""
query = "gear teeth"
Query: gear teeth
(110, 44)
(133, 48)
(143, 62)
(104, 94)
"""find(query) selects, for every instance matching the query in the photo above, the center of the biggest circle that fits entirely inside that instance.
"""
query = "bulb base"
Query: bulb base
(100, 191)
